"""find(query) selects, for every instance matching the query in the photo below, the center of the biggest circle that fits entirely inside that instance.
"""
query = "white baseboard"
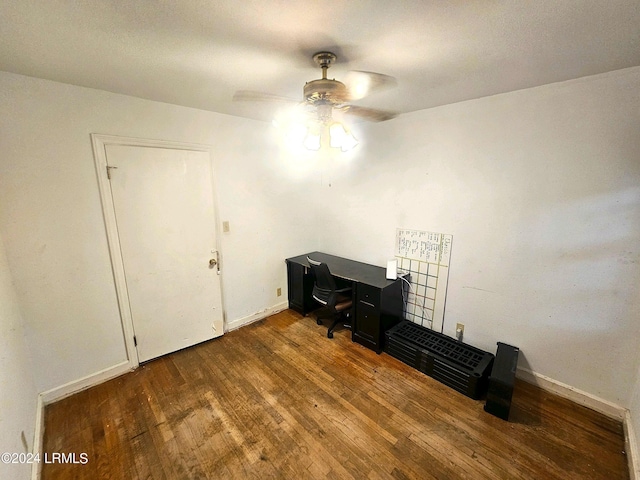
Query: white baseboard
(580, 397)
(58, 393)
(241, 322)
(38, 438)
(631, 447)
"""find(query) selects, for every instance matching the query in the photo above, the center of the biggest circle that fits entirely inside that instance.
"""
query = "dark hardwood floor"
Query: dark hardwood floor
(277, 399)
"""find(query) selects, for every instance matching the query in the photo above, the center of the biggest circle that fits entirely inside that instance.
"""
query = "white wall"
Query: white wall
(634, 414)
(52, 224)
(18, 393)
(634, 409)
(541, 191)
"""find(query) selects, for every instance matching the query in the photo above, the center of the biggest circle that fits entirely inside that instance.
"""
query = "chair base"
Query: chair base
(338, 319)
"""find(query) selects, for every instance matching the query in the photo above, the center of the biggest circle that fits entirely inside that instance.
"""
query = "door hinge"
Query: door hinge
(109, 168)
(135, 341)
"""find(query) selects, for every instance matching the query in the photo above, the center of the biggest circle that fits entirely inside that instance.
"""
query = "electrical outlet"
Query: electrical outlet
(459, 331)
(279, 292)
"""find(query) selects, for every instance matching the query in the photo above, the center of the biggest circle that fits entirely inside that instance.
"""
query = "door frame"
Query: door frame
(99, 143)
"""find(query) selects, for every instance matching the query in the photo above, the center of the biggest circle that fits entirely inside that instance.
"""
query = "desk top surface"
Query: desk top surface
(347, 269)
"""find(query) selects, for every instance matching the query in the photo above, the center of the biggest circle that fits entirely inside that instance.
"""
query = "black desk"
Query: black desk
(378, 302)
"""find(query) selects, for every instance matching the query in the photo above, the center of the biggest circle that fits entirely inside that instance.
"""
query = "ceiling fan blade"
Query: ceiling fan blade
(253, 96)
(370, 114)
(360, 83)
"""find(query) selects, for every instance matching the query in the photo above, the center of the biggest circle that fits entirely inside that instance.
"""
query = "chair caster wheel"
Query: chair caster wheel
(319, 322)
(329, 334)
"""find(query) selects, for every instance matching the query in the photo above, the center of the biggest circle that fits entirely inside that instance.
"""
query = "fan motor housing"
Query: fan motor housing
(325, 90)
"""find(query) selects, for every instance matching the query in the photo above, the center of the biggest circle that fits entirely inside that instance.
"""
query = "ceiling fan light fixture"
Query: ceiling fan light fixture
(312, 141)
(314, 134)
(340, 137)
(324, 102)
(349, 143)
(337, 134)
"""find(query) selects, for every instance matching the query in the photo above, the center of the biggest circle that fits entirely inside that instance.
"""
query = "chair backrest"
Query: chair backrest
(324, 283)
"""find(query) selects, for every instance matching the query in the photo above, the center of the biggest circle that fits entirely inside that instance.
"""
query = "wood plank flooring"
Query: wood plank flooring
(277, 399)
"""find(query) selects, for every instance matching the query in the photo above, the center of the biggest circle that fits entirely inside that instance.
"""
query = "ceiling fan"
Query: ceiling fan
(324, 96)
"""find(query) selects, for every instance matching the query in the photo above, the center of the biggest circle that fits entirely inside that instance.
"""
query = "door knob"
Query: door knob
(213, 262)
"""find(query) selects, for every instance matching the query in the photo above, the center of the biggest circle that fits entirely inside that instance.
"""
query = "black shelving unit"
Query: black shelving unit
(458, 365)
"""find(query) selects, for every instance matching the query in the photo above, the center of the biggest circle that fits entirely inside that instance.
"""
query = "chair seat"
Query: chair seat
(343, 304)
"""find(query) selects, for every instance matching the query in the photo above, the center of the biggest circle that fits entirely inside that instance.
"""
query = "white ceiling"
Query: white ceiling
(197, 53)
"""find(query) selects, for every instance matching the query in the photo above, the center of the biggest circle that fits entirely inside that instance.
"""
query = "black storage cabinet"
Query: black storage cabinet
(300, 286)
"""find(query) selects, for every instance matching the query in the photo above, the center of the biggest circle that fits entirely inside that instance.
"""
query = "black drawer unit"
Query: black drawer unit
(376, 310)
(368, 295)
(457, 365)
(367, 324)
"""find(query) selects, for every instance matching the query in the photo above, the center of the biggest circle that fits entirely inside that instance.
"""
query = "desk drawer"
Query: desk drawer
(367, 322)
(368, 295)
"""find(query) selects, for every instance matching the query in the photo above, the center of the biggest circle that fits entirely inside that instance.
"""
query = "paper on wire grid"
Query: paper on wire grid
(427, 247)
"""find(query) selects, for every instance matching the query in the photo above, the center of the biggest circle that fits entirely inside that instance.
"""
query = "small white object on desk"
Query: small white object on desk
(392, 269)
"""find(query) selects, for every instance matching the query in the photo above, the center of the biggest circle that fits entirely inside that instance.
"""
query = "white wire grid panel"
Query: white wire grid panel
(425, 256)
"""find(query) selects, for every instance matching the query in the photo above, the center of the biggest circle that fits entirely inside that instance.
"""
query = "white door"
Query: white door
(164, 211)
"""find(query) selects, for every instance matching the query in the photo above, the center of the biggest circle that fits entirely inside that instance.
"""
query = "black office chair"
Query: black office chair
(325, 291)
